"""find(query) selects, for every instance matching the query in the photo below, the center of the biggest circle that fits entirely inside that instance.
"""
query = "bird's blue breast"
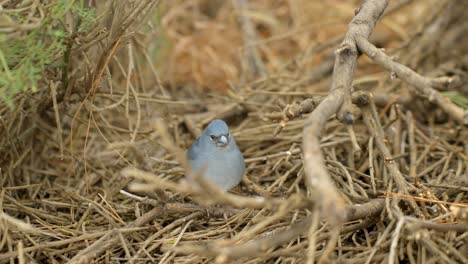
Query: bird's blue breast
(223, 166)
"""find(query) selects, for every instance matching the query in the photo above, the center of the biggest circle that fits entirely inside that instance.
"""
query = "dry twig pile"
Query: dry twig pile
(372, 170)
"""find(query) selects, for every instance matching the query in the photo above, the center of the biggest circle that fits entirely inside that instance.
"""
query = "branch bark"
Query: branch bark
(332, 204)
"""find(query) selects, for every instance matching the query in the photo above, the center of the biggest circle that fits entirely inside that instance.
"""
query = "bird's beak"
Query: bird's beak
(223, 140)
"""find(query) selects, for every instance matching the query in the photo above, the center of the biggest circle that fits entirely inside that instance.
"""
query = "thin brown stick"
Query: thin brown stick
(257, 247)
(252, 62)
(112, 238)
(334, 235)
(53, 91)
(421, 84)
(375, 128)
(59, 243)
(371, 119)
(412, 144)
(209, 194)
(460, 227)
(312, 236)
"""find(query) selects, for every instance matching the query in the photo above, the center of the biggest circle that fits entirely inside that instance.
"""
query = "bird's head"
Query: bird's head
(218, 133)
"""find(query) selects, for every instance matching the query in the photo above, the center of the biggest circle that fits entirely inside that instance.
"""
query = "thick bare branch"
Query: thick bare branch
(346, 55)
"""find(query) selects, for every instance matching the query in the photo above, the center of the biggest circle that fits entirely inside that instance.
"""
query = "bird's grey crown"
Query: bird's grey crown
(217, 127)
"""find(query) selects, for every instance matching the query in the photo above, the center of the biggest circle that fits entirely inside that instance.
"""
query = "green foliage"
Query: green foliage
(458, 98)
(26, 56)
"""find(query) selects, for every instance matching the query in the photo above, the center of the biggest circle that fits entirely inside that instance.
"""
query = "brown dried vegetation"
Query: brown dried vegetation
(89, 163)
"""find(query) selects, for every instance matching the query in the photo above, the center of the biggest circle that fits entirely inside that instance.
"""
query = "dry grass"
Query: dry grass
(63, 149)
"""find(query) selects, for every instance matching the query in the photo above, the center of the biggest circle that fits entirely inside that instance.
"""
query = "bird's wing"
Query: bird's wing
(192, 152)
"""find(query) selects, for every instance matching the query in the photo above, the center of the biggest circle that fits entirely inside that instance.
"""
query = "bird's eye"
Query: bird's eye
(212, 137)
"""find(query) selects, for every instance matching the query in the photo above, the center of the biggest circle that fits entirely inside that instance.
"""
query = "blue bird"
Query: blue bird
(216, 153)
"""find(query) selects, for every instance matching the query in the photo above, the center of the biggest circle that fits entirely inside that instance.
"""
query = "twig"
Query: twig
(53, 91)
(112, 238)
(395, 237)
(422, 85)
(431, 246)
(375, 128)
(412, 144)
(352, 136)
(400, 196)
(150, 239)
(63, 242)
(252, 61)
(183, 207)
(257, 247)
(377, 245)
(297, 109)
(331, 245)
(21, 258)
(312, 236)
(208, 193)
(416, 223)
(18, 224)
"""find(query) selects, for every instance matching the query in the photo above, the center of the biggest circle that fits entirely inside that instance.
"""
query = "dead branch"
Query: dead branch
(317, 177)
(421, 84)
(223, 253)
(209, 194)
(109, 239)
(460, 227)
(375, 128)
(252, 63)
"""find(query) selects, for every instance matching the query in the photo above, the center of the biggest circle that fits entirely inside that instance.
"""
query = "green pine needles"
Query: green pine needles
(33, 40)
